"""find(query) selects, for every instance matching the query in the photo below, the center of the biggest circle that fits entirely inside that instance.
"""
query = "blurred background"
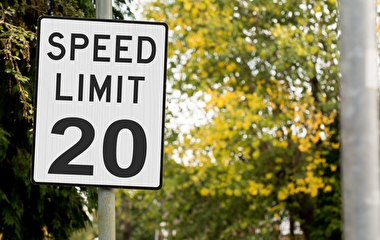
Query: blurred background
(251, 134)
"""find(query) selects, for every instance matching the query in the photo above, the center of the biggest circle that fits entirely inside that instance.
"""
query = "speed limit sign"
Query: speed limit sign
(100, 102)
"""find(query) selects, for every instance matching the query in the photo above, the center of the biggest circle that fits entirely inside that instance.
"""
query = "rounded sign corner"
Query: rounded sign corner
(159, 186)
(165, 25)
(33, 181)
(40, 18)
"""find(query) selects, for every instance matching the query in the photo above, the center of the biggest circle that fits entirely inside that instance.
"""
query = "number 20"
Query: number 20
(61, 164)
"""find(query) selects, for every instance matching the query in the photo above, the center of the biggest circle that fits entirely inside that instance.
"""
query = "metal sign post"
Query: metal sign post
(106, 196)
(359, 120)
(106, 213)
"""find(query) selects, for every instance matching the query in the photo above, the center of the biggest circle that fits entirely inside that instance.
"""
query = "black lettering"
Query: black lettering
(74, 46)
(122, 48)
(58, 45)
(99, 91)
(136, 86)
(119, 88)
(80, 88)
(98, 47)
(139, 50)
(62, 164)
(58, 95)
(138, 152)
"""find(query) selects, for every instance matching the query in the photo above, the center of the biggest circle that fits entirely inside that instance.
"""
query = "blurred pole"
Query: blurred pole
(103, 9)
(106, 214)
(359, 120)
(106, 196)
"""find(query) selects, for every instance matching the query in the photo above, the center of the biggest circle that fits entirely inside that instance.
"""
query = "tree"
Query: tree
(267, 72)
(28, 211)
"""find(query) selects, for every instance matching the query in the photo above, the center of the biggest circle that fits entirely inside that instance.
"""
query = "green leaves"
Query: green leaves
(267, 74)
(4, 142)
(16, 44)
(29, 211)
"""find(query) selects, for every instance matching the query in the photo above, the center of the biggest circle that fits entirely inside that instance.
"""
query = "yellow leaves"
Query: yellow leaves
(259, 189)
(279, 133)
(168, 149)
(313, 50)
(311, 128)
(277, 30)
(207, 192)
(227, 99)
(282, 194)
(195, 178)
(187, 6)
(313, 123)
(300, 51)
(237, 192)
(194, 12)
(256, 154)
(220, 103)
(335, 145)
(315, 183)
(229, 192)
(279, 160)
(327, 188)
(250, 48)
(294, 137)
(262, 121)
(309, 38)
(195, 41)
(310, 183)
(238, 178)
(291, 187)
(313, 190)
(255, 102)
(280, 144)
(304, 145)
(300, 182)
(253, 188)
(246, 125)
(231, 67)
(315, 138)
(266, 191)
(255, 144)
(252, 207)
(309, 158)
(310, 167)
(243, 126)
(204, 192)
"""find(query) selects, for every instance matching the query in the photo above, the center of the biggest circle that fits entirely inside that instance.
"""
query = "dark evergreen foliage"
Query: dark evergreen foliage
(30, 211)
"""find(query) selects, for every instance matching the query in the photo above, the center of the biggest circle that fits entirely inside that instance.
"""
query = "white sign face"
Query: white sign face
(100, 102)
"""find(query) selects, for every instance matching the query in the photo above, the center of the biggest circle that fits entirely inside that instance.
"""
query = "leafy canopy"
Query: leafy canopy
(267, 73)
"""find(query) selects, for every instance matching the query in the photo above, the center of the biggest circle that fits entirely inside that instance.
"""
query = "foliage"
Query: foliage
(90, 232)
(133, 221)
(28, 211)
(121, 8)
(269, 151)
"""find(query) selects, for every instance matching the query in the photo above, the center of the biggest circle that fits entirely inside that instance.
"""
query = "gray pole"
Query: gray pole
(359, 120)
(106, 214)
(106, 196)
(104, 9)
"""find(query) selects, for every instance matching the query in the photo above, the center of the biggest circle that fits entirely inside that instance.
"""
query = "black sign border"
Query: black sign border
(36, 108)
